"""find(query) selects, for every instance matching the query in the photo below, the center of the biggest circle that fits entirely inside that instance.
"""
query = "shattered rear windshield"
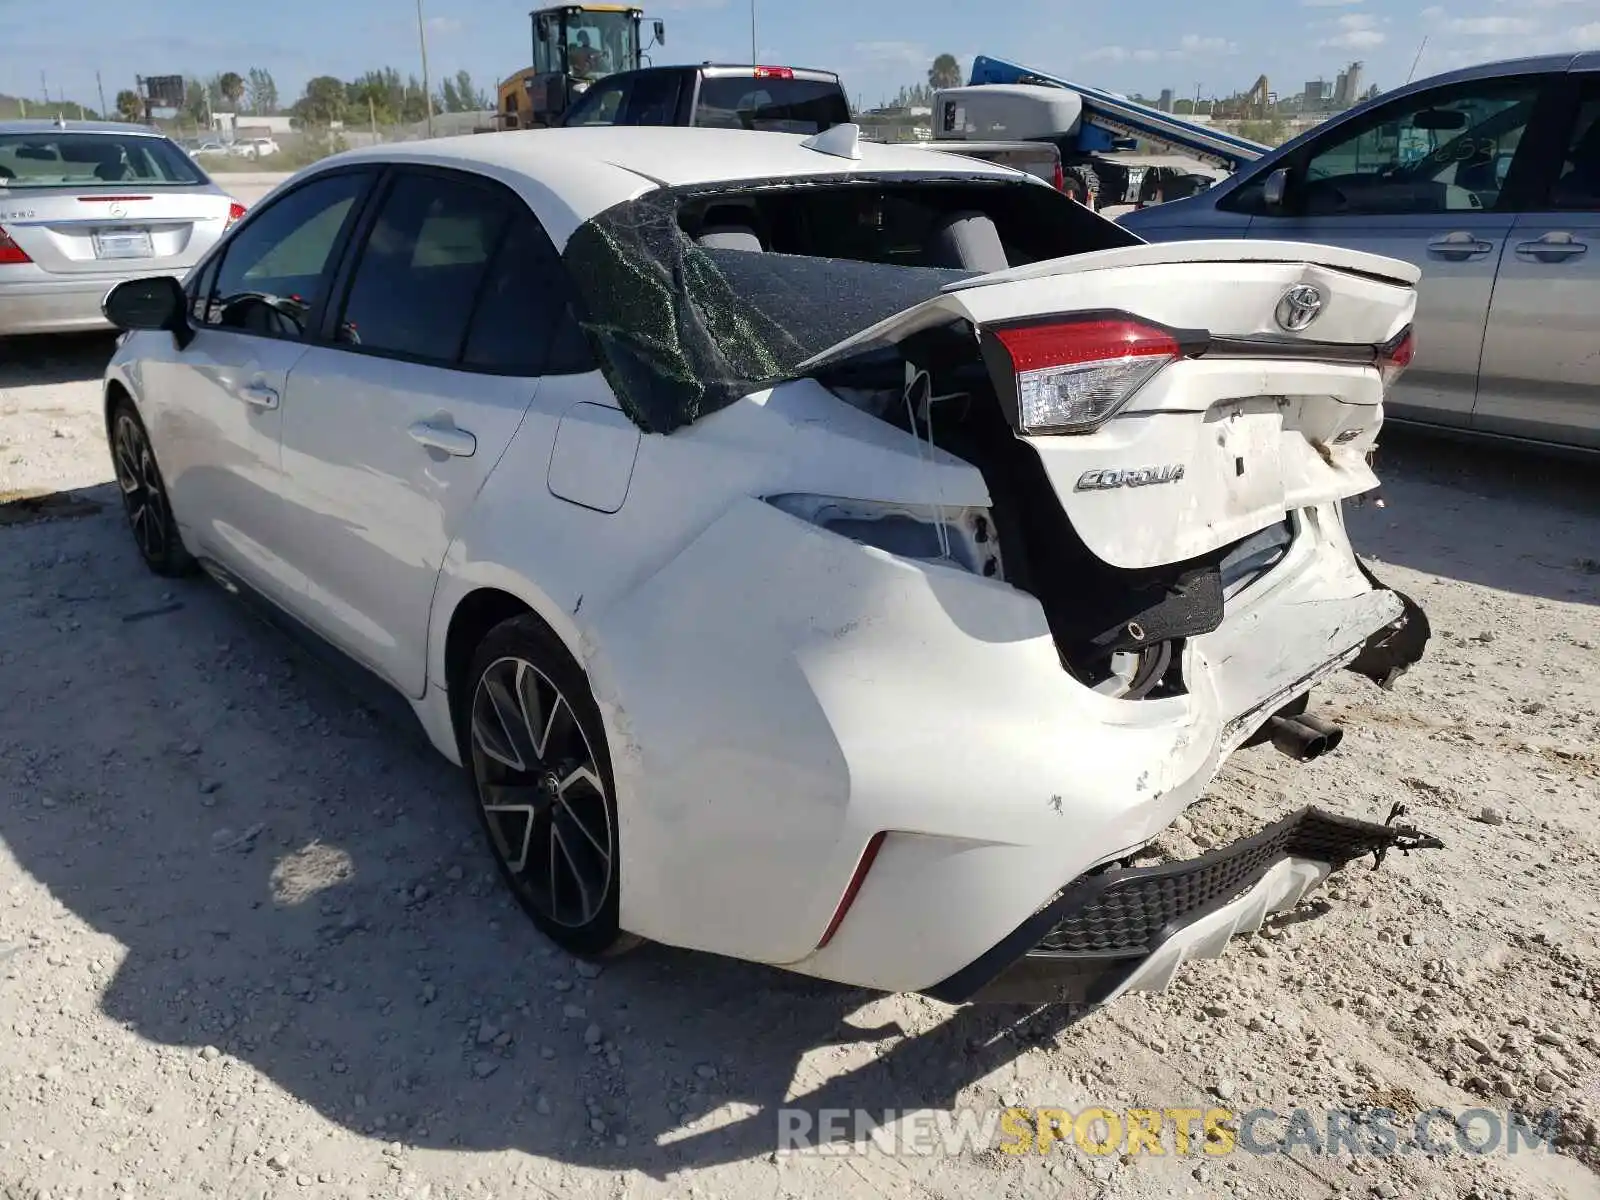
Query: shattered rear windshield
(694, 298)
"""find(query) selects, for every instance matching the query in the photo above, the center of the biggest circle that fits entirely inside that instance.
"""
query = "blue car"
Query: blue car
(1489, 180)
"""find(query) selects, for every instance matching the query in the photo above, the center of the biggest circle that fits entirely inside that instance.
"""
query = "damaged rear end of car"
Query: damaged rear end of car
(1001, 676)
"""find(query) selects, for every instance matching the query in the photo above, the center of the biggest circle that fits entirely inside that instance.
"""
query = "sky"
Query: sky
(1214, 46)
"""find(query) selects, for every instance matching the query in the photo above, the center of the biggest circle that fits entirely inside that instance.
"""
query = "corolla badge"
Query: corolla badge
(1299, 307)
(1104, 479)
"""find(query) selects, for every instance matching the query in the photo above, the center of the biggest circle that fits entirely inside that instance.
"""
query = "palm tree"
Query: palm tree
(945, 72)
(231, 85)
(129, 106)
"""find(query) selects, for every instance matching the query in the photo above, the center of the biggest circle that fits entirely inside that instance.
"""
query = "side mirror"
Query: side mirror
(156, 303)
(661, 33)
(1276, 189)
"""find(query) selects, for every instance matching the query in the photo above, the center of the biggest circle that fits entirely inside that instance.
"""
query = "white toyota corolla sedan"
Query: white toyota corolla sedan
(840, 556)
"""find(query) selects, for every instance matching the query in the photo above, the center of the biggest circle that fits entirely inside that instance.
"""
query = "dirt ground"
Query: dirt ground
(251, 946)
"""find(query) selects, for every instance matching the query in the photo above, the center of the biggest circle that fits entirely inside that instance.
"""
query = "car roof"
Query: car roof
(32, 125)
(569, 175)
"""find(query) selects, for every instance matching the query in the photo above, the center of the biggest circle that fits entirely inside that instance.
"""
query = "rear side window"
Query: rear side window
(275, 266)
(524, 324)
(421, 266)
(775, 105)
(54, 159)
(1578, 185)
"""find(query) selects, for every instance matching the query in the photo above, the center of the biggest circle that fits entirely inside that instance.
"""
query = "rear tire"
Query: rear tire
(534, 748)
(144, 494)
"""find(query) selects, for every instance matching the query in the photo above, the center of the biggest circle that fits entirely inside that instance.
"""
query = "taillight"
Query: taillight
(235, 211)
(1073, 375)
(1396, 356)
(10, 252)
(774, 73)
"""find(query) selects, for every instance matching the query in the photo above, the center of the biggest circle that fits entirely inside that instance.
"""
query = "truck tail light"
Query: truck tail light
(774, 73)
(1395, 356)
(10, 252)
(1071, 376)
(235, 211)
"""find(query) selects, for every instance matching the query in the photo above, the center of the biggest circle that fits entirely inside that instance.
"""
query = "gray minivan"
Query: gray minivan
(1488, 179)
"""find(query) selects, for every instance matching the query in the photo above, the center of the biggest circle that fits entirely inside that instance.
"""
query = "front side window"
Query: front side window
(57, 159)
(419, 272)
(275, 266)
(1447, 150)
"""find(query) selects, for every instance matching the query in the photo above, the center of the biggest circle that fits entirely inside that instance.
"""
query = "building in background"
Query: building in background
(1165, 103)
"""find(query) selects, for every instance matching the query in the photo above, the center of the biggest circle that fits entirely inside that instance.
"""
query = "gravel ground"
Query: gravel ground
(250, 945)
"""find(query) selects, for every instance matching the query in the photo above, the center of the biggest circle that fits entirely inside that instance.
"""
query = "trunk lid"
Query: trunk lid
(1249, 421)
(96, 231)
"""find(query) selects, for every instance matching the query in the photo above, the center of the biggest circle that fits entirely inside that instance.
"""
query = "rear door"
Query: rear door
(1540, 377)
(1434, 179)
(82, 203)
(391, 425)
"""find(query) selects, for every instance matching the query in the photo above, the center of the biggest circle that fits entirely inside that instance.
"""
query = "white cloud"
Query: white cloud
(1356, 39)
(1586, 37)
(1435, 13)
(1490, 26)
(1330, 3)
(1193, 43)
(1107, 54)
(442, 25)
(1357, 21)
(907, 53)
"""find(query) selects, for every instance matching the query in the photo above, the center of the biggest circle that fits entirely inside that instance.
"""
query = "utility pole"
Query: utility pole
(372, 118)
(752, 32)
(427, 90)
(45, 87)
(101, 88)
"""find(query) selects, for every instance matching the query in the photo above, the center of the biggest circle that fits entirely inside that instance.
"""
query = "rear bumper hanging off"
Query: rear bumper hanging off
(1122, 929)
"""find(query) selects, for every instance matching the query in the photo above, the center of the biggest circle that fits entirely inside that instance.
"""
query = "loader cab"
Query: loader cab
(574, 46)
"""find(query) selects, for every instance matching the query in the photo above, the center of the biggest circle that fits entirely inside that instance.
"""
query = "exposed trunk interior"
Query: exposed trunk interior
(1118, 631)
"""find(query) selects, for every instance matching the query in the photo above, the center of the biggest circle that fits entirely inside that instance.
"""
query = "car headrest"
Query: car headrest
(967, 241)
(730, 237)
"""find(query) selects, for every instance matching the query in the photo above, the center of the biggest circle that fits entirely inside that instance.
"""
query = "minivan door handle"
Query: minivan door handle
(1552, 247)
(1459, 246)
(444, 435)
(259, 395)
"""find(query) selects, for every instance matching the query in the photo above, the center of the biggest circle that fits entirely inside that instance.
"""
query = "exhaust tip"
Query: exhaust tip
(1304, 737)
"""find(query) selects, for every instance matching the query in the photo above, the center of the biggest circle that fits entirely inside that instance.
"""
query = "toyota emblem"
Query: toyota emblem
(116, 210)
(1299, 307)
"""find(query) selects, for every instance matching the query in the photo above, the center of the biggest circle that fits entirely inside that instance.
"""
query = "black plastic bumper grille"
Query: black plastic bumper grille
(1130, 912)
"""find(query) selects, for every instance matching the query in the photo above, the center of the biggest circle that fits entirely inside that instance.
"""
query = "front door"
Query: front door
(391, 428)
(1541, 353)
(217, 401)
(1432, 180)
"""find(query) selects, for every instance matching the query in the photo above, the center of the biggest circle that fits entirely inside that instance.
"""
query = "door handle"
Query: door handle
(1552, 247)
(444, 437)
(1458, 247)
(259, 395)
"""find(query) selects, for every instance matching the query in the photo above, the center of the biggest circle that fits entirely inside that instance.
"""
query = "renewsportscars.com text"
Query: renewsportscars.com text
(1180, 1131)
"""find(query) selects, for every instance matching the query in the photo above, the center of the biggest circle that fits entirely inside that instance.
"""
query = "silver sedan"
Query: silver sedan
(87, 204)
